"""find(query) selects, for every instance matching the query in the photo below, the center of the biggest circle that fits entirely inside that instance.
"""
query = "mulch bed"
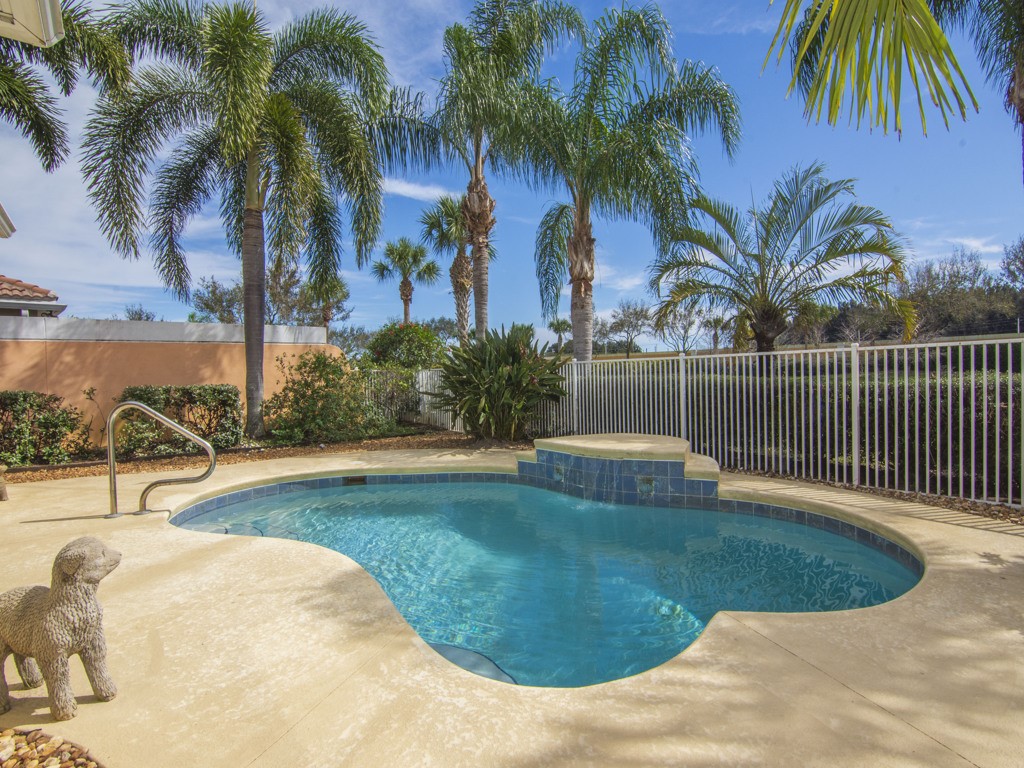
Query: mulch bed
(35, 749)
(434, 440)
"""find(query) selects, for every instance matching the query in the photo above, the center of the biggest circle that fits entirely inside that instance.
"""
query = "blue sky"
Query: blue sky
(960, 186)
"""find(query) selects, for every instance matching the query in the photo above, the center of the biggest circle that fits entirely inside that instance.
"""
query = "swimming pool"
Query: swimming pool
(560, 591)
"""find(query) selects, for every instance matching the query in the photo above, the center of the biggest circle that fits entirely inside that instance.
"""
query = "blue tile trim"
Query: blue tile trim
(634, 482)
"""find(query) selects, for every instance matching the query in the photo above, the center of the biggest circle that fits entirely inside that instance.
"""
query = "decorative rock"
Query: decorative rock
(35, 749)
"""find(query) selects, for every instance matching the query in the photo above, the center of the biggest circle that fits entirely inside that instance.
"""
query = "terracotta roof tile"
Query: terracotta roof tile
(16, 289)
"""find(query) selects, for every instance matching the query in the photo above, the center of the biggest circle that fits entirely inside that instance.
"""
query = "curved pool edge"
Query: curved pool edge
(898, 687)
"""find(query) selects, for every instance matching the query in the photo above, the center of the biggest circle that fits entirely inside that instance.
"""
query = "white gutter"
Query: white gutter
(35, 22)
(6, 225)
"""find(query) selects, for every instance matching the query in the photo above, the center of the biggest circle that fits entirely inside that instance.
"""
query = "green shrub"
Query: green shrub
(212, 411)
(392, 389)
(37, 428)
(495, 386)
(406, 345)
(323, 400)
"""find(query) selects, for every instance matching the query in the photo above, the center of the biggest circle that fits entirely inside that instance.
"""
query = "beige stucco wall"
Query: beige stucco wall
(66, 367)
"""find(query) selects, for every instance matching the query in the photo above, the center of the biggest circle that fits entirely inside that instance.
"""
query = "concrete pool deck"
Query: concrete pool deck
(239, 651)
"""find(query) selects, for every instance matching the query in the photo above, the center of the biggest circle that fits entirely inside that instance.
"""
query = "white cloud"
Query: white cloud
(427, 193)
(980, 244)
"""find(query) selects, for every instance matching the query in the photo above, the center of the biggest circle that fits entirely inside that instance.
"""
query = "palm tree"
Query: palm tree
(559, 326)
(851, 54)
(408, 261)
(804, 245)
(486, 63)
(718, 326)
(620, 148)
(26, 98)
(281, 125)
(444, 230)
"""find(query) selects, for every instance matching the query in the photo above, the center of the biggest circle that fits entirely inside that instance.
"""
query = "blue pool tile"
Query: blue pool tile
(676, 469)
(693, 488)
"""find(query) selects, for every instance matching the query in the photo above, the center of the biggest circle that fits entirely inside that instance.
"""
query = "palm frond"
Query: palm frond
(181, 188)
(170, 30)
(551, 254)
(123, 136)
(27, 104)
(236, 69)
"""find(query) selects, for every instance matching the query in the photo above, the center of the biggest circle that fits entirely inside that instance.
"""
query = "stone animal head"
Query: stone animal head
(86, 560)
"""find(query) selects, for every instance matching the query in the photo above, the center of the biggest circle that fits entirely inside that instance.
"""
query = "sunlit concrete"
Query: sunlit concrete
(238, 651)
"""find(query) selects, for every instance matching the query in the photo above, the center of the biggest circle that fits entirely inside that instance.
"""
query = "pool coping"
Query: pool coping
(895, 684)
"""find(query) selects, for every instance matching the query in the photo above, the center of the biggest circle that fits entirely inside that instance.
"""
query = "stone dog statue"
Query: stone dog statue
(42, 627)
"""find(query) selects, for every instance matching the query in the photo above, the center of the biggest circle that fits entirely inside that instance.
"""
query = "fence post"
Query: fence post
(574, 370)
(683, 426)
(855, 410)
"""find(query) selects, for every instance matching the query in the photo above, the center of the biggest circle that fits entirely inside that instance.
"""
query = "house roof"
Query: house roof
(18, 289)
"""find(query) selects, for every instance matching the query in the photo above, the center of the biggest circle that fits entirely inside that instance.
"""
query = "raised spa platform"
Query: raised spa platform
(647, 470)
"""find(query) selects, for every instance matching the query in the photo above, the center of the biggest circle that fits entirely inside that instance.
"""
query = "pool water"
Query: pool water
(558, 591)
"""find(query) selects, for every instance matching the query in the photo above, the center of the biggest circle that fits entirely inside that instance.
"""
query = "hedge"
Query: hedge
(212, 411)
(37, 428)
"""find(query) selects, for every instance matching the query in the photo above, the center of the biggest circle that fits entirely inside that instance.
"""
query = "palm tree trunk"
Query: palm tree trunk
(405, 291)
(462, 285)
(254, 280)
(581, 275)
(478, 212)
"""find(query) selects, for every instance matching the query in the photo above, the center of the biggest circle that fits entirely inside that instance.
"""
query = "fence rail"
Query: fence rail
(941, 418)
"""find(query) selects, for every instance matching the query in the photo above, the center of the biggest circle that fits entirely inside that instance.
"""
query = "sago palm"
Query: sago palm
(486, 63)
(27, 100)
(444, 230)
(806, 244)
(408, 262)
(288, 129)
(618, 144)
(853, 56)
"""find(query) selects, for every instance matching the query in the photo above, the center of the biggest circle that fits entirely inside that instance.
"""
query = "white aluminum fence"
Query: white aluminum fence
(942, 418)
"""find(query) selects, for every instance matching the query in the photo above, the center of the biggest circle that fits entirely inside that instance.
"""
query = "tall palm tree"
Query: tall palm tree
(282, 126)
(444, 230)
(797, 248)
(618, 147)
(486, 62)
(406, 260)
(27, 100)
(852, 55)
(559, 326)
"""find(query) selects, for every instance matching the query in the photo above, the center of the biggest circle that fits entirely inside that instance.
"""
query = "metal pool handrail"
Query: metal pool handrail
(112, 461)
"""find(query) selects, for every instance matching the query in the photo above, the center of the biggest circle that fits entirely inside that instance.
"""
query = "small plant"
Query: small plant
(212, 411)
(406, 345)
(497, 384)
(37, 428)
(324, 399)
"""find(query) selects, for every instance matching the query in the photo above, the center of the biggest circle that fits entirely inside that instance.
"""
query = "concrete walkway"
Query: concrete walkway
(237, 651)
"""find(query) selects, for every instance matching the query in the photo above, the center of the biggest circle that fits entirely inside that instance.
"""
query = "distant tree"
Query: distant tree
(682, 327)
(444, 230)
(602, 333)
(807, 243)
(446, 329)
(957, 296)
(630, 320)
(216, 302)
(560, 326)
(718, 327)
(409, 263)
(289, 301)
(1013, 264)
(810, 325)
(350, 339)
(138, 312)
